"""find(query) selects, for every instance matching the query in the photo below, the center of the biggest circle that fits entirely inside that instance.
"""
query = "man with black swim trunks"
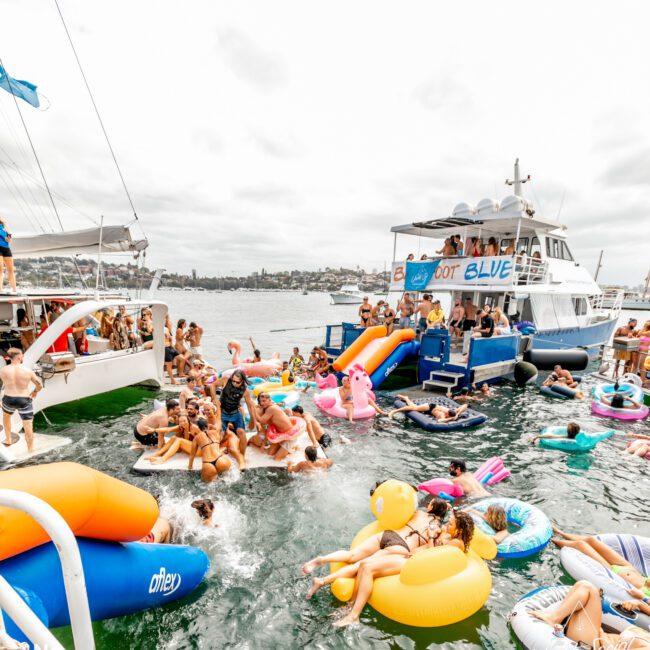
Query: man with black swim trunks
(18, 396)
(455, 319)
(146, 430)
(440, 413)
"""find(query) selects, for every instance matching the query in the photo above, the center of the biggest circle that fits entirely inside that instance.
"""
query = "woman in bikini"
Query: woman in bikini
(492, 248)
(580, 615)
(365, 312)
(184, 433)
(458, 532)
(214, 461)
(400, 542)
(345, 393)
(389, 319)
(228, 440)
(609, 558)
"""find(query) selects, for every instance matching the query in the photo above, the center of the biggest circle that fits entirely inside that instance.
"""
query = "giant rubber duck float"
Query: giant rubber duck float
(436, 586)
(262, 368)
(108, 516)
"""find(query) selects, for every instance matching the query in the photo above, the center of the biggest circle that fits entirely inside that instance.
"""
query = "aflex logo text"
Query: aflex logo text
(165, 583)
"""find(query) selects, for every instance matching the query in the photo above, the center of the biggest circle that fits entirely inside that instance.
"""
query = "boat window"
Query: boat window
(566, 253)
(522, 244)
(580, 306)
(552, 247)
(535, 247)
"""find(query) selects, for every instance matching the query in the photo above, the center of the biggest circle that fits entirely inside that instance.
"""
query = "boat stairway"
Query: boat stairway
(442, 379)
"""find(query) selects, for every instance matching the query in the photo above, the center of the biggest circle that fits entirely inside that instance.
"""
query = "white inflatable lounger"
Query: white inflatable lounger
(255, 459)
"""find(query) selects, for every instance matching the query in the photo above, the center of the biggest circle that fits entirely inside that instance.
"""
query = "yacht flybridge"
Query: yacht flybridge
(534, 277)
(527, 271)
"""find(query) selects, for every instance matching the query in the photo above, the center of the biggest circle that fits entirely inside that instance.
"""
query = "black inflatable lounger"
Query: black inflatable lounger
(469, 418)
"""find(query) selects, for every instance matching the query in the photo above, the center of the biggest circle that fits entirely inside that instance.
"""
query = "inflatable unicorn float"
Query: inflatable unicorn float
(330, 399)
(262, 368)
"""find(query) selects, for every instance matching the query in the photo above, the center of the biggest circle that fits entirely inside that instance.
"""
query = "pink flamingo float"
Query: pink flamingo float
(330, 399)
(262, 368)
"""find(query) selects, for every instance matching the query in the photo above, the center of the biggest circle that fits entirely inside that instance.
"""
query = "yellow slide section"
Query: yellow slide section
(93, 504)
(372, 348)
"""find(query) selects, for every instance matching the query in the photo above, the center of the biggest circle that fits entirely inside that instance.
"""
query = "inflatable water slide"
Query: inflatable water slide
(378, 353)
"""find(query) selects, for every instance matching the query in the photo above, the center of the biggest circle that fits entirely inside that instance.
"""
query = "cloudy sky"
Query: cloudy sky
(293, 134)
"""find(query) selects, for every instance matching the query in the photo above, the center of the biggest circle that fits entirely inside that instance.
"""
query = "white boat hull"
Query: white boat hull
(346, 299)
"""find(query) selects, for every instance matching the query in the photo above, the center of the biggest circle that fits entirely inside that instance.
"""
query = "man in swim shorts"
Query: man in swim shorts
(18, 397)
(565, 376)
(424, 309)
(455, 320)
(194, 335)
(234, 389)
(145, 431)
(406, 309)
(271, 416)
(315, 431)
(170, 354)
(311, 462)
(466, 480)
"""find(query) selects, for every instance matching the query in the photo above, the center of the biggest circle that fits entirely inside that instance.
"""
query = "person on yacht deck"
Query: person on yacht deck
(492, 248)
(194, 338)
(455, 319)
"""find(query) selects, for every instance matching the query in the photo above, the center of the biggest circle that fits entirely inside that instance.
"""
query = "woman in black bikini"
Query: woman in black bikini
(365, 312)
(214, 461)
(389, 319)
(403, 542)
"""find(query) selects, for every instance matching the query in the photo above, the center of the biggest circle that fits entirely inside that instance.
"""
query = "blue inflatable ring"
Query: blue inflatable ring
(535, 530)
(584, 441)
(627, 390)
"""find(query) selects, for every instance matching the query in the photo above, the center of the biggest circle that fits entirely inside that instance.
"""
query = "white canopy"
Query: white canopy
(115, 239)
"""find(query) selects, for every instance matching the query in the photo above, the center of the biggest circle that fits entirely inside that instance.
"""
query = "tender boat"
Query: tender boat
(348, 294)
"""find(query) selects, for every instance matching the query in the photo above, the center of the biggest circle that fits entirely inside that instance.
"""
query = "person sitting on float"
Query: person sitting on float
(618, 401)
(639, 447)
(404, 541)
(458, 532)
(495, 517)
(572, 430)
(440, 413)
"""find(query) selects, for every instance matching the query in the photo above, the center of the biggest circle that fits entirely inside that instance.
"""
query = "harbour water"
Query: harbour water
(269, 523)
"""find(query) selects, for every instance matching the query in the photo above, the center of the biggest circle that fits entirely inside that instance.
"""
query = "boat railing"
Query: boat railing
(529, 270)
(73, 578)
(610, 300)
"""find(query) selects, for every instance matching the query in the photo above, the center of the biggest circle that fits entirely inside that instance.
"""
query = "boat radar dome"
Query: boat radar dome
(516, 206)
(487, 208)
(463, 211)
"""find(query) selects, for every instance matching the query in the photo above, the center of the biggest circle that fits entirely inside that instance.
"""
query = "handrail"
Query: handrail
(73, 575)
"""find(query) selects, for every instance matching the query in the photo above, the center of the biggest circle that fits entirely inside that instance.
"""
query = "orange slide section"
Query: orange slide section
(370, 334)
(372, 362)
(93, 505)
(380, 354)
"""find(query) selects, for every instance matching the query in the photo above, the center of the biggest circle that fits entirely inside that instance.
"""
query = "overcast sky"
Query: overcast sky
(294, 134)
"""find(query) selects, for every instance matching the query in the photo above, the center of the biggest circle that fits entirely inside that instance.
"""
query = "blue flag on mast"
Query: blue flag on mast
(21, 89)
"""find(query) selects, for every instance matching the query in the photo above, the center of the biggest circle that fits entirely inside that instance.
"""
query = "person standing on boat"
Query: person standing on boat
(469, 322)
(365, 313)
(624, 355)
(424, 309)
(455, 319)
(129, 324)
(458, 245)
(389, 318)
(18, 397)
(492, 248)
(181, 348)
(436, 317)
(406, 309)
(375, 314)
(6, 257)
(194, 335)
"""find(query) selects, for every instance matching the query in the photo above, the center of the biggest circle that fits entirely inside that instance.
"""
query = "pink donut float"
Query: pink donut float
(297, 429)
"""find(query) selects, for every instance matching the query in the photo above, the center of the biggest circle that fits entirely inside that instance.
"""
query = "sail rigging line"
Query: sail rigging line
(26, 158)
(99, 117)
(31, 144)
(18, 197)
(27, 176)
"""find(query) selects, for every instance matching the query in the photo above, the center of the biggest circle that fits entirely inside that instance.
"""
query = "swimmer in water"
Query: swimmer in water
(205, 510)
(466, 480)
(572, 430)
(640, 447)
(311, 462)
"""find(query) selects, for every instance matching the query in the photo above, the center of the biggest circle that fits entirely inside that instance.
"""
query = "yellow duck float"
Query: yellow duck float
(287, 383)
(437, 586)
